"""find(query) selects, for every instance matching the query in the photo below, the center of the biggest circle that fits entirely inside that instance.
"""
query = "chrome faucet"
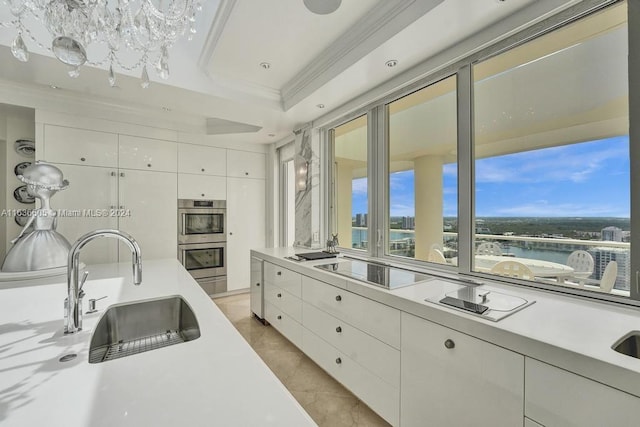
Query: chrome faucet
(73, 303)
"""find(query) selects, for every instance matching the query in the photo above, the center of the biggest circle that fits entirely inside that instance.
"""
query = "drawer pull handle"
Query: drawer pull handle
(279, 273)
(338, 298)
(257, 284)
(279, 317)
(279, 295)
(449, 344)
(338, 361)
(148, 165)
(246, 173)
(83, 159)
(202, 169)
(338, 329)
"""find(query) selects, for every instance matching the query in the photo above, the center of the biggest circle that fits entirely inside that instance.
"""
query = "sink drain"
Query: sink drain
(67, 357)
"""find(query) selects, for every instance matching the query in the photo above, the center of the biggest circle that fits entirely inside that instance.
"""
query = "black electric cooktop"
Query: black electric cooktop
(376, 274)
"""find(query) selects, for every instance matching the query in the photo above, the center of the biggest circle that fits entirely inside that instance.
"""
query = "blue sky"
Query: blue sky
(589, 179)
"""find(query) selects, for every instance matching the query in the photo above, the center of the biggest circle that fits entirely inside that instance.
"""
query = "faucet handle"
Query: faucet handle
(84, 279)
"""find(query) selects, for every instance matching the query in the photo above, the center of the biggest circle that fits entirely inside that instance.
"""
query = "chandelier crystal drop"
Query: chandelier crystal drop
(144, 28)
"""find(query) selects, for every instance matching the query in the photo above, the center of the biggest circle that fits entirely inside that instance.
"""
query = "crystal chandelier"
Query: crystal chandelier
(148, 28)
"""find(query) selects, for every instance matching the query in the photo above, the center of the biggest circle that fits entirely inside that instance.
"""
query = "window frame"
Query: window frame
(378, 151)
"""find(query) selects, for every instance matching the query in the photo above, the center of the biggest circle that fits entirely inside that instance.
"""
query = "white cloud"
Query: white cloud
(359, 186)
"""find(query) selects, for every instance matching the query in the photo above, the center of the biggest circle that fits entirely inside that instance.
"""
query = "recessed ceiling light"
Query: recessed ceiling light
(320, 105)
(265, 65)
(391, 63)
(54, 87)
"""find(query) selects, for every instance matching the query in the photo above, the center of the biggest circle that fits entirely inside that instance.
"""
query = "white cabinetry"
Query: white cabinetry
(282, 304)
(200, 160)
(92, 191)
(80, 146)
(135, 198)
(146, 154)
(555, 397)
(148, 205)
(244, 164)
(201, 187)
(452, 379)
(352, 338)
(245, 227)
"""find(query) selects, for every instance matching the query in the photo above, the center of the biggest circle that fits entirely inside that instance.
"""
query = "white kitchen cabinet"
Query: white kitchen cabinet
(245, 164)
(452, 379)
(379, 358)
(86, 206)
(141, 203)
(201, 160)
(353, 338)
(147, 154)
(378, 320)
(284, 323)
(245, 227)
(555, 397)
(370, 388)
(283, 278)
(148, 205)
(80, 147)
(202, 187)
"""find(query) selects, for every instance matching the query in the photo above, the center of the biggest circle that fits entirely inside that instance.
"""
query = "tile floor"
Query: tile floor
(326, 400)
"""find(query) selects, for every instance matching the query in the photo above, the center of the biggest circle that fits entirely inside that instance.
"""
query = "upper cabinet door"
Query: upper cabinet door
(80, 147)
(244, 164)
(198, 159)
(147, 154)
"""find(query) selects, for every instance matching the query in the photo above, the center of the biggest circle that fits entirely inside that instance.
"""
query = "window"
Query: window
(422, 180)
(552, 172)
(351, 189)
(516, 162)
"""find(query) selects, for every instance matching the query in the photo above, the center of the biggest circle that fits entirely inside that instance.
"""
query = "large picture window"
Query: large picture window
(350, 184)
(515, 164)
(422, 181)
(552, 173)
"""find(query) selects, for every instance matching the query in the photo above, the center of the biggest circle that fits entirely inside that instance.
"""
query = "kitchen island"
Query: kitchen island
(216, 379)
(417, 362)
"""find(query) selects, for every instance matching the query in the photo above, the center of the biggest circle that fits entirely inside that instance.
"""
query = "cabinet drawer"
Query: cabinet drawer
(383, 398)
(80, 147)
(244, 164)
(147, 154)
(284, 301)
(555, 397)
(285, 279)
(379, 358)
(284, 323)
(378, 320)
(200, 187)
(201, 160)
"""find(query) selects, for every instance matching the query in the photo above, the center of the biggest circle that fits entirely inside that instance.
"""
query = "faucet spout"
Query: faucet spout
(73, 308)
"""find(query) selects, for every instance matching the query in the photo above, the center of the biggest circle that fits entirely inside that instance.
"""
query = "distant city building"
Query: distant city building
(361, 220)
(611, 234)
(408, 223)
(482, 230)
(603, 255)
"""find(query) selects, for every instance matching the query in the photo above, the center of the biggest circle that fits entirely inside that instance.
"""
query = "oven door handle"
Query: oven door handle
(183, 223)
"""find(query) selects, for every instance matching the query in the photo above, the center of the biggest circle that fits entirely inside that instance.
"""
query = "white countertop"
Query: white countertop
(572, 333)
(216, 379)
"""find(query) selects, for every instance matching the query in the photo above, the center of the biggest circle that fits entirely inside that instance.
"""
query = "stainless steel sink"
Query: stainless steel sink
(629, 344)
(133, 328)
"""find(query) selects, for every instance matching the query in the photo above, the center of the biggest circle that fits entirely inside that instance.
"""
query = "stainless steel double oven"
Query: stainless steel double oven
(202, 242)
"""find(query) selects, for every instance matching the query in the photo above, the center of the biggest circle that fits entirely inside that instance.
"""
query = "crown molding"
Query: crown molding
(382, 22)
(215, 32)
